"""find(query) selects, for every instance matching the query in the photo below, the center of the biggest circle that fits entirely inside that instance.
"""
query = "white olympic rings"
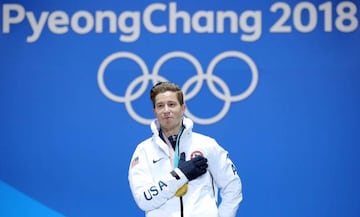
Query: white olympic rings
(199, 78)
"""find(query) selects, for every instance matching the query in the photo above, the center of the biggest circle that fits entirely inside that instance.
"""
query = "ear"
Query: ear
(183, 107)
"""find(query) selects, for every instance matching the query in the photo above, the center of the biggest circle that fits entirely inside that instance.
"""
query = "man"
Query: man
(178, 172)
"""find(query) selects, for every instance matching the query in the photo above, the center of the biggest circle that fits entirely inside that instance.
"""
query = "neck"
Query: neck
(171, 132)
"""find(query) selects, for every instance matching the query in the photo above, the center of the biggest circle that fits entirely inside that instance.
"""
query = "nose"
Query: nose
(166, 108)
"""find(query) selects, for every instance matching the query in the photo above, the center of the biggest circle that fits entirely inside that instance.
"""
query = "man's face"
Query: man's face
(169, 112)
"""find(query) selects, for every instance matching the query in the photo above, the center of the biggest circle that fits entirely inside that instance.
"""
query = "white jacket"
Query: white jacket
(153, 187)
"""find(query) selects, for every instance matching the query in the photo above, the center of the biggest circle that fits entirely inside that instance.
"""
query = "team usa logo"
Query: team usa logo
(196, 153)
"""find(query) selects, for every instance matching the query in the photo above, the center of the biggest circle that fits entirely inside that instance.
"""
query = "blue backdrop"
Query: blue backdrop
(275, 82)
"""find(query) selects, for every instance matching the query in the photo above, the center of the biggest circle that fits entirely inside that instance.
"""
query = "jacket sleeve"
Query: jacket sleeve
(227, 180)
(150, 193)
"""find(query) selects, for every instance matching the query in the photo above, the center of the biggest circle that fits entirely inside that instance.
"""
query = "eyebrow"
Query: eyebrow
(165, 102)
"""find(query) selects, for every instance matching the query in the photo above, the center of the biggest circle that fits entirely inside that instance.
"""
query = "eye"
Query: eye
(159, 106)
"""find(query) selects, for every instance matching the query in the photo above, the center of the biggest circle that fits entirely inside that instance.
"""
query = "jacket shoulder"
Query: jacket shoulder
(203, 137)
(145, 144)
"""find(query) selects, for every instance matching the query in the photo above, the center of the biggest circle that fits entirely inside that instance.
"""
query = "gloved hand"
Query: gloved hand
(192, 168)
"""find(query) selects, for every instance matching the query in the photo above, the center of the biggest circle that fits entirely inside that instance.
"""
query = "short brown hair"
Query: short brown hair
(164, 86)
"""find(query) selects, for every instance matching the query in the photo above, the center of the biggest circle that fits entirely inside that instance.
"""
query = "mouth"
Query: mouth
(168, 118)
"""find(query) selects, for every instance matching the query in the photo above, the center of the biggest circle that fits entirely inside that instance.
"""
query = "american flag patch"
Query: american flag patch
(135, 161)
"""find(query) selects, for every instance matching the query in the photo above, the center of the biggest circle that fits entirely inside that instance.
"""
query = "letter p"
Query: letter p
(18, 13)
